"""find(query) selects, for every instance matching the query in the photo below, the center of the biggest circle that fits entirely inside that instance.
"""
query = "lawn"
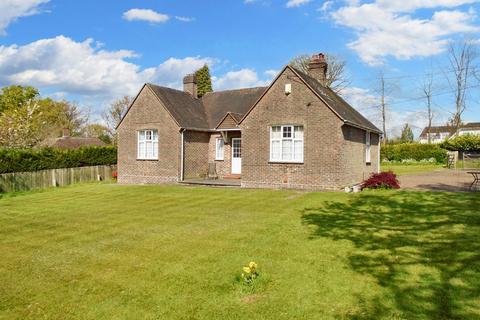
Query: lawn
(402, 169)
(171, 252)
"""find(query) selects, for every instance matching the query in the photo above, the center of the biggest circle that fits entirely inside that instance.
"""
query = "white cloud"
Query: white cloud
(296, 3)
(270, 74)
(243, 78)
(326, 6)
(411, 5)
(145, 15)
(82, 68)
(184, 19)
(382, 30)
(249, 1)
(11, 10)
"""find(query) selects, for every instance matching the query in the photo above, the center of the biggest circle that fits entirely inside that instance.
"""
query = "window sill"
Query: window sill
(285, 162)
(219, 159)
(138, 159)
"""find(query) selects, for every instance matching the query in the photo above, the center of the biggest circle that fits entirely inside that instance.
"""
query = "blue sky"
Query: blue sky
(95, 51)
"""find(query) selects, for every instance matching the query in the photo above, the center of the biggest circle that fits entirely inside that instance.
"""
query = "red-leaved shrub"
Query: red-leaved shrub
(382, 180)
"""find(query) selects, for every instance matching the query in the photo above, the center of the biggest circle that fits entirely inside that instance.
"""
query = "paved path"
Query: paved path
(439, 180)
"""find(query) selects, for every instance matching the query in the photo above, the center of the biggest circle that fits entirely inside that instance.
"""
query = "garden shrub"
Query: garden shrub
(23, 160)
(382, 180)
(413, 151)
(468, 142)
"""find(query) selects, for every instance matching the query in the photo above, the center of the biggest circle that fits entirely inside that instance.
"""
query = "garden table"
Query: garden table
(476, 178)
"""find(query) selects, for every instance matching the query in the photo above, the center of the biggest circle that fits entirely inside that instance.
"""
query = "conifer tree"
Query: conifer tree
(204, 81)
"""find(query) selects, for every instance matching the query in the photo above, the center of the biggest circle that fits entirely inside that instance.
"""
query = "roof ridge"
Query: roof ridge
(239, 89)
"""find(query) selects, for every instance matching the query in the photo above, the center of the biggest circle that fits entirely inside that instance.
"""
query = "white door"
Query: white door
(236, 156)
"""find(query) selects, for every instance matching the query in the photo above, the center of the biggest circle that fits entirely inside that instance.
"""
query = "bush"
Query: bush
(413, 151)
(468, 142)
(382, 180)
(22, 160)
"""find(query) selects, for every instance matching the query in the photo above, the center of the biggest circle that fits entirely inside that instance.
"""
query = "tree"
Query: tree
(19, 126)
(72, 117)
(462, 58)
(96, 130)
(114, 114)
(13, 97)
(407, 134)
(337, 79)
(204, 81)
(427, 92)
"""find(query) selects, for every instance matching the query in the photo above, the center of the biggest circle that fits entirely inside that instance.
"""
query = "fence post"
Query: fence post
(54, 178)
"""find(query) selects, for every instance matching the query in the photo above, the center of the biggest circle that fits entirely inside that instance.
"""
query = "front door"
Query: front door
(236, 156)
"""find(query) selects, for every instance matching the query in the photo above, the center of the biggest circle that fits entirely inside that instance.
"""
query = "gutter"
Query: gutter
(361, 127)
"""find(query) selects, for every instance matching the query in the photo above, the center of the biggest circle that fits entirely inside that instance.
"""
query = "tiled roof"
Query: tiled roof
(71, 142)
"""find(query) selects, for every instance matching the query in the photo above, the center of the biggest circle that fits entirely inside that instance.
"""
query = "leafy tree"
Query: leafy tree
(72, 117)
(19, 126)
(468, 142)
(96, 130)
(407, 134)
(13, 97)
(204, 81)
(337, 79)
(114, 114)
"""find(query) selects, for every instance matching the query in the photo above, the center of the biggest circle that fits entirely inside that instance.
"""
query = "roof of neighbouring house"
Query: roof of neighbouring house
(71, 142)
(448, 129)
(205, 113)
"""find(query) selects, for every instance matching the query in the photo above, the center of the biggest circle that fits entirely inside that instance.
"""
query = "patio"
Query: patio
(213, 182)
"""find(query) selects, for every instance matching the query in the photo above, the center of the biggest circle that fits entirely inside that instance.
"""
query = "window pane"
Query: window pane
(287, 132)
(287, 150)
(298, 132)
(148, 135)
(155, 150)
(141, 135)
(149, 147)
(155, 135)
(276, 132)
(141, 150)
(298, 150)
(275, 150)
(219, 149)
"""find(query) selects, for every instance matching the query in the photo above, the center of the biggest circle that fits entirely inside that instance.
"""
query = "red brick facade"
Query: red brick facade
(334, 152)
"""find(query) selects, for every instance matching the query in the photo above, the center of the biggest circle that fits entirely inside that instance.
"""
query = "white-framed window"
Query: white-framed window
(368, 148)
(219, 149)
(147, 148)
(286, 143)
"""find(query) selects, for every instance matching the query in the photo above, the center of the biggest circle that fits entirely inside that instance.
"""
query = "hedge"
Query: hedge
(416, 151)
(23, 160)
(466, 142)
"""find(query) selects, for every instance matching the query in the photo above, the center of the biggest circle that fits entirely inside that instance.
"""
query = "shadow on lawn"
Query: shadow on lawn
(422, 248)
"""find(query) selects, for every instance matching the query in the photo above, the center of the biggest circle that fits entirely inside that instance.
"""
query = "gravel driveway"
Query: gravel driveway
(439, 180)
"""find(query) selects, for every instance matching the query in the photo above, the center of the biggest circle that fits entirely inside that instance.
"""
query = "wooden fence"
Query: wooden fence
(24, 181)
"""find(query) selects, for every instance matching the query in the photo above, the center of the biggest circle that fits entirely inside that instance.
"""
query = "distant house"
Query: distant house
(68, 142)
(439, 133)
(295, 133)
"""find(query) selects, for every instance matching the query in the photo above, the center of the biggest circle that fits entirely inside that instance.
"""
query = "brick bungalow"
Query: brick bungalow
(295, 133)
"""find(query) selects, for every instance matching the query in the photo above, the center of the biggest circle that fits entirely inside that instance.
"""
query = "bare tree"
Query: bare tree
(114, 114)
(383, 107)
(337, 79)
(462, 65)
(427, 92)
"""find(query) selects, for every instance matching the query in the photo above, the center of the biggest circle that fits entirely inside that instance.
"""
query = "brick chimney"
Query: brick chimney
(190, 84)
(65, 132)
(317, 68)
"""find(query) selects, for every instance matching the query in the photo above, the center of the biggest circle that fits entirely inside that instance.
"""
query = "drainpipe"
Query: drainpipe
(182, 160)
(378, 166)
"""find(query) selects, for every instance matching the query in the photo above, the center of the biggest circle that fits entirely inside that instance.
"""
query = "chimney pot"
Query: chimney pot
(190, 84)
(317, 68)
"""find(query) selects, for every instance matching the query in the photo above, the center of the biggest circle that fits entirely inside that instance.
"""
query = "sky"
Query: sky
(94, 52)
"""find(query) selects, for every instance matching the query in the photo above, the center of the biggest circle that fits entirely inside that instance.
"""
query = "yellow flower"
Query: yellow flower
(247, 270)
(252, 265)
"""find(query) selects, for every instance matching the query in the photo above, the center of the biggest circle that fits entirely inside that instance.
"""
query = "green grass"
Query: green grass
(401, 169)
(172, 252)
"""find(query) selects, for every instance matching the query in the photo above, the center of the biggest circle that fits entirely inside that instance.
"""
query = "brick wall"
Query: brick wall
(146, 113)
(196, 154)
(330, 162)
